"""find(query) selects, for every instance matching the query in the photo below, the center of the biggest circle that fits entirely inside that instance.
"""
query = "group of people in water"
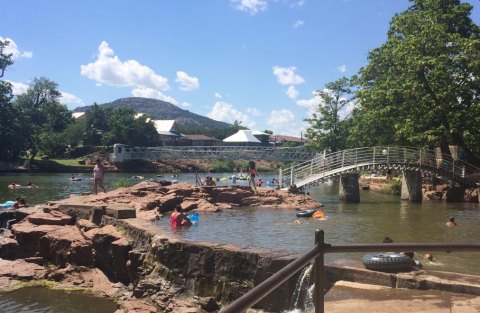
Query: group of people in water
(15, 186)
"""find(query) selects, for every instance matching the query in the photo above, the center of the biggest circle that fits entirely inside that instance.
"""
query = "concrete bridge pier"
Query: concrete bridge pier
(349, 190)
(412, 186)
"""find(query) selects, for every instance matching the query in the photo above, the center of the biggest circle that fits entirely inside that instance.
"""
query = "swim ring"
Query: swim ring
(306, 213)
(387, 262)
(7, 204)
(319, 214)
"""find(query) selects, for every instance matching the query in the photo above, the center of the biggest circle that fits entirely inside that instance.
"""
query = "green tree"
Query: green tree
(422, 86)
(41, 115)
(123, 127)
(95, 125)
(326, 130)
(10, 125)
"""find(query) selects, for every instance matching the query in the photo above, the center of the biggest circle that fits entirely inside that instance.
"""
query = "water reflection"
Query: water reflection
(42, 300)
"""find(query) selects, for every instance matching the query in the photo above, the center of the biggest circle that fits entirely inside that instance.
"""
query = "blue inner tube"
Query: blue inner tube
(387, 262)
(306, 213)
(7, 204)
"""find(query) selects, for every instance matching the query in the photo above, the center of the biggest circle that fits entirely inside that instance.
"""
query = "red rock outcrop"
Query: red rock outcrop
(151, 199)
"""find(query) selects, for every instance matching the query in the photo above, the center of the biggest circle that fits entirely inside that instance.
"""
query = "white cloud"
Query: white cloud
(253, 111)
(19, 88)
(250, 6)
(13, 49)
(292, 92)
(283, 122)
(218, 95)
(108, 69)
(342, 68)
(152, 93)
(299, 3)
(186, 104)
(298, 23)
(311, 104)
(287, 75)
(225, 112)
(282, 116)
(68, 98)
(186, 82)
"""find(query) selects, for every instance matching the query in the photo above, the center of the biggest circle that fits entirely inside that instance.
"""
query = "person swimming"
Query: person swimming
(451, 222)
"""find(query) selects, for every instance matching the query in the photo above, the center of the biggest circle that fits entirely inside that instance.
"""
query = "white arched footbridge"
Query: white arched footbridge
(430, 162)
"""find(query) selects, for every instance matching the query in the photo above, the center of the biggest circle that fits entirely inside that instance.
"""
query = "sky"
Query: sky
(259, 62)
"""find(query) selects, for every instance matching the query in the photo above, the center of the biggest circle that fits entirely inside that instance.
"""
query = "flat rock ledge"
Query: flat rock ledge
(150, 200)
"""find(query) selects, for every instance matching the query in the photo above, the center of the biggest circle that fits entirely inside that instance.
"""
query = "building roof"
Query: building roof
(77, 114)
(200, 137)
(166, 127)
(282, 138)
(257, 132)
(242, 136)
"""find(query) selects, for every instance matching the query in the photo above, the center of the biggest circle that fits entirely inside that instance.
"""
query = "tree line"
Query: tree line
(420, 88)
(36, 121)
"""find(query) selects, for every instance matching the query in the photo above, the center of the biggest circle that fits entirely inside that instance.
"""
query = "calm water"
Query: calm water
(43, 300)
(375, 217)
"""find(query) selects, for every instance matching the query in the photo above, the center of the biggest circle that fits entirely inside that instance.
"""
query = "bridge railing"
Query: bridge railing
(300, 153)
(328, 165)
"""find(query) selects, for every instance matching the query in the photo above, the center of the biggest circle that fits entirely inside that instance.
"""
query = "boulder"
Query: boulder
(20, 269)
(50, 218)
(8, 248)
(111, 252)
(66, 245)
(28, 236)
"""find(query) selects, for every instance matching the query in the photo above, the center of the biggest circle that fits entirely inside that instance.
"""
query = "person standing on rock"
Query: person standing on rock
(98, 174)
(252, 172)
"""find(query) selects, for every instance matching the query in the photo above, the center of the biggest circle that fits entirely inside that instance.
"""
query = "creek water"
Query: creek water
(375, 217)
(43, 300)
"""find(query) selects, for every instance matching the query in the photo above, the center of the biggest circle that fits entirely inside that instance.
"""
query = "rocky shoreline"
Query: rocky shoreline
(108, 244)
(81, 243)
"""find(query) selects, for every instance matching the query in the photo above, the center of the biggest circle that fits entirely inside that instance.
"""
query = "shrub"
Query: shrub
(394, 187)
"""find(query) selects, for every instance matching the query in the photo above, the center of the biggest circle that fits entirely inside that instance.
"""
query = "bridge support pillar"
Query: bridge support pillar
(349, 190)
(412, 186)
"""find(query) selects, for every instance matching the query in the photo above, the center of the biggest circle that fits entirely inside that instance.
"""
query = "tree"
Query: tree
(423, 85)
(41, 115)
(326, 130)
(95, 125)
(123, 127)
(10, 125)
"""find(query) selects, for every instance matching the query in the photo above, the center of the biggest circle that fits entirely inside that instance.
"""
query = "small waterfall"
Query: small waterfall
(8, 223)
(5, 232)
(302, 300)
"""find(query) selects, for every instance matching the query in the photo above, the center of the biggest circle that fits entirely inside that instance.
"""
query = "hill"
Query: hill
(188, 122)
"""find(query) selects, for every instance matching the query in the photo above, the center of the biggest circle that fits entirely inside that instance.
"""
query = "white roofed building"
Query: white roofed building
(242, 138)
(168, 131)
(263, 137)
(78, 114)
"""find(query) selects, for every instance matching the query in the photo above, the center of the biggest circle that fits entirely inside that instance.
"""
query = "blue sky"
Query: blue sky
(255, 61)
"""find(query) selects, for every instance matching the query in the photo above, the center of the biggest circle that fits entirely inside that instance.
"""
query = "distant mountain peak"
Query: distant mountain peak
(162, 110)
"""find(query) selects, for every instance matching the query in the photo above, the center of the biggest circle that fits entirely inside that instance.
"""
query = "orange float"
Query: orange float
(318, 214)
